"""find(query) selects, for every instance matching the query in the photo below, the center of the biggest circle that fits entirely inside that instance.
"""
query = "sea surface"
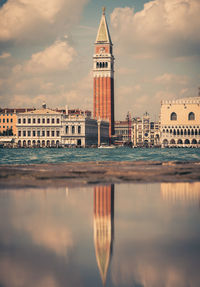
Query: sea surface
(134, 235)
(56, 155)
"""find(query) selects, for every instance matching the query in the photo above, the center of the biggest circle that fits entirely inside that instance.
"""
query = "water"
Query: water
(118, 235)
(32, 156)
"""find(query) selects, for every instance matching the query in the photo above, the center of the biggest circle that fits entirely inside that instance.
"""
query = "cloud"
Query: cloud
(81, 93)
(54, 58)
(36, 20)
(5, 55)
(167, 79)
(163, 27)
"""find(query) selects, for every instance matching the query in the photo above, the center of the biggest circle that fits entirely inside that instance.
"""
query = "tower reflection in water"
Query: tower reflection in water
(103, 227)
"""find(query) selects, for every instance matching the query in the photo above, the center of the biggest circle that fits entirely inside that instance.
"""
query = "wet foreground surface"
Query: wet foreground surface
(112, 235)
(86, 173)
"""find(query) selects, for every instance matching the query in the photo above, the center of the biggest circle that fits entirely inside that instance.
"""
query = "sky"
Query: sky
(46, 50)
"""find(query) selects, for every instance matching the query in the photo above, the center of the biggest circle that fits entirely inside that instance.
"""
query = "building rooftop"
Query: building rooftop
(190, 100)
(43, 111)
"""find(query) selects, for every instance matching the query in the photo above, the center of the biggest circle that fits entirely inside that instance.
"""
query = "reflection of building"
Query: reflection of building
(103, 227)
(184, 192)
(180, 122)
(103, 73)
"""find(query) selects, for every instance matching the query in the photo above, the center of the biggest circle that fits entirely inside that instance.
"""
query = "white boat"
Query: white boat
(106, 146)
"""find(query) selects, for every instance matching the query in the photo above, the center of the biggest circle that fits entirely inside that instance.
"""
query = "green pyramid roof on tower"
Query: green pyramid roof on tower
(103, 35)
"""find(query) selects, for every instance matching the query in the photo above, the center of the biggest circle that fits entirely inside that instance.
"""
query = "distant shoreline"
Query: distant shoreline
(102, 172)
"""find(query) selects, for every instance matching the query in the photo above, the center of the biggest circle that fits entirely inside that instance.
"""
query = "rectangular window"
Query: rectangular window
(11, 120)
(33, 133)
(3, 120)
(66, 129)
(57, 133)
(29, 121)
(79, 129)
(33, 121)
(48, 121)
(43, 121)
(29, 133)
(7, 120)
(0, 120)
(24, 121)
(38, 133)
(48, 133)
(52, 133)
(43, 133)
(52, 121)
(24, 133)
(19, 133)
(73, 129)
(38, 121)
(58, 121)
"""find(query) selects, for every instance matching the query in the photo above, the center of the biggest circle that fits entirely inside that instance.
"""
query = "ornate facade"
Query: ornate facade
(180, 123)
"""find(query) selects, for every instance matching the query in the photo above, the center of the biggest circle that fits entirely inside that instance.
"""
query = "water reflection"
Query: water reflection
(103, 227)
(181, 192)
(65, 236)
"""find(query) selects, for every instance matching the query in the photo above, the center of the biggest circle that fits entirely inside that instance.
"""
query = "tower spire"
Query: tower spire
(103, 35)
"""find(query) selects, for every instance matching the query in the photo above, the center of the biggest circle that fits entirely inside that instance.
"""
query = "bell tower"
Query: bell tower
(103, 75)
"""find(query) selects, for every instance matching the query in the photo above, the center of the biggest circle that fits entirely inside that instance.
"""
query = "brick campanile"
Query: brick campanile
(103, 74)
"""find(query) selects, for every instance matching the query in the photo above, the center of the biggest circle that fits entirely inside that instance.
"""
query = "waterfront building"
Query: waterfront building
(83, 131)
(121, 132)
(141, 131)
(103, 76)
(39, 128)
(146, 132)
(8, 120)
(180, 122)
(103, 227)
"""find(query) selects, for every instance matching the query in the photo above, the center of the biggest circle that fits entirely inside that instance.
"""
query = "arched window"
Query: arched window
(181, 132)
(191, 116)
(171, 131)
(189, 132)
(192, 132)
(173, 117)
(177, 132)
(106, 64)
(194, 141)
(97, 64)
(185, 132)
(195, 132)
(174, 132)
(187, 141)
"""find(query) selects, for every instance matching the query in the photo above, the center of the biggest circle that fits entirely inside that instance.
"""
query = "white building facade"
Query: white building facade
(82, 131)
(39, 128)
(180, 123)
